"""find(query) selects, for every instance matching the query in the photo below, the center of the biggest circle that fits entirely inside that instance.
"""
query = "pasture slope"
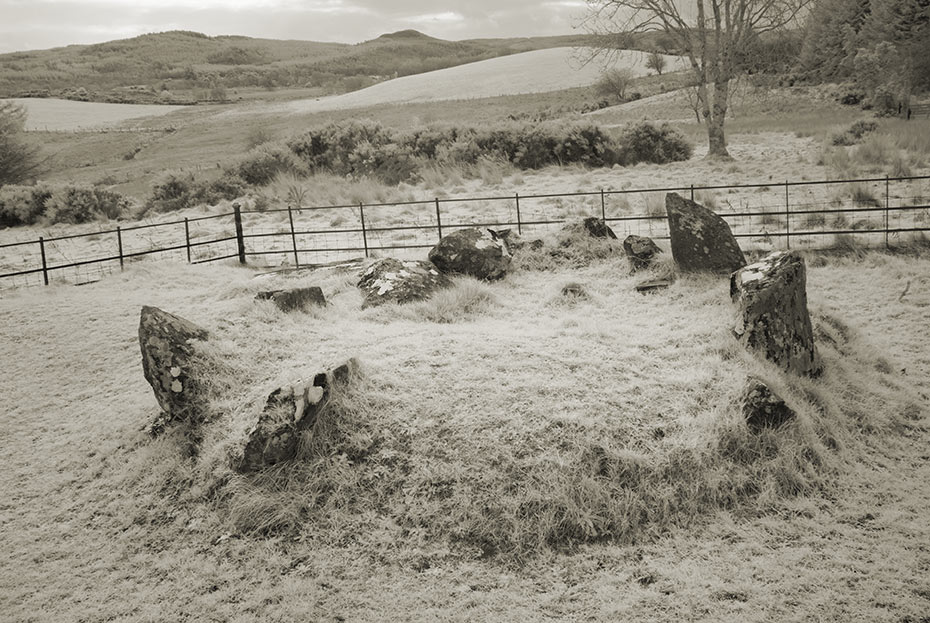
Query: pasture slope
(528, 72)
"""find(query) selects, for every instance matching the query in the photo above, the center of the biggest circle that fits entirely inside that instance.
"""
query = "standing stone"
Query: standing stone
(701, 240)
(640, 250)
(394, 281)
(293, 299)
(772, 317)
(167, 348)
(288, 412)
(590, 226)
(481, 253)
(763, 408)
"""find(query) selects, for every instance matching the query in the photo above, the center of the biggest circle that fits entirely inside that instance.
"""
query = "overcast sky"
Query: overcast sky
(39, 24)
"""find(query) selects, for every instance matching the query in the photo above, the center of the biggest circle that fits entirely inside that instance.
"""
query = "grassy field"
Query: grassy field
(466, 407)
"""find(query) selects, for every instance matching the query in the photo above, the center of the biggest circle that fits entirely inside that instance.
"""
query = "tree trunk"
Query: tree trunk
(716, 139)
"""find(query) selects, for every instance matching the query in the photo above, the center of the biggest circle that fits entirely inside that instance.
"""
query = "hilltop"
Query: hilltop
(187, 67)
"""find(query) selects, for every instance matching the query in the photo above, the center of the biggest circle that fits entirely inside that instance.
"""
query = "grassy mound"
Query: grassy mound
(491, 422)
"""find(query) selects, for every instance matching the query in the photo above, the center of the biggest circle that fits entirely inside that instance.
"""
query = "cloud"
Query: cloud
(28, 24)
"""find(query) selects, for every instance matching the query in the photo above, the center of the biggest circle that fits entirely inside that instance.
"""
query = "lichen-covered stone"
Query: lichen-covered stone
(294, 298)
(288, 412)
(772, 316)
(478, 252)
(589, 226)
(640, 250)
(394, 281)
(700, 240)
(167, 343)
(763, 408)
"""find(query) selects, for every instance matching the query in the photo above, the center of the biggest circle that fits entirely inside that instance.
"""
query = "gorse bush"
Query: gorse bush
(263, 163)
(645, 142)
(81, 204)
(855, 133)
(180, 190)
(27, 205)
(22, 205)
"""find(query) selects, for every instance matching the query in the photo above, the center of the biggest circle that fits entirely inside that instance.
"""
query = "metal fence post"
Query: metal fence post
(692, 192)
(44, 264)
(290, 217)
(787, 218)
(361, 214)
(887, 203)
(519, 220)
(240, 238)
(187, 239)
(438, 219)
(119, 242)
(603, 207)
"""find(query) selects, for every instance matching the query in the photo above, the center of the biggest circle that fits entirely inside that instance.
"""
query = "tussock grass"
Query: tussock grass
(463, 451)
(463, 447)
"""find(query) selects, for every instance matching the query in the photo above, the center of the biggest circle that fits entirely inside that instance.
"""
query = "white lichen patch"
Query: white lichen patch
(383, 285)
(750, 275)
(176, 387)
(175, 371)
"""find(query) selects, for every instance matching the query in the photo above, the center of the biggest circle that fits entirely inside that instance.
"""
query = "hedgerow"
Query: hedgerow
(27, 205)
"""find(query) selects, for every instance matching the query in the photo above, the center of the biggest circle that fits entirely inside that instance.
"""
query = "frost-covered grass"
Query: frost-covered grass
(508, 454)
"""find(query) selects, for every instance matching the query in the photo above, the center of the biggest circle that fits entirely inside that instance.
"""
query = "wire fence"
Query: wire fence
(870, 212)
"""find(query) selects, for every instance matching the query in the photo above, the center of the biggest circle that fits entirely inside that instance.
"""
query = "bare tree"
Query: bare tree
(656, 62)
(614, 82)
(710, 33)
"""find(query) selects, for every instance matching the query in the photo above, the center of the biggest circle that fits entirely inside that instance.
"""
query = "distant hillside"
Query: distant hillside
(184, 67)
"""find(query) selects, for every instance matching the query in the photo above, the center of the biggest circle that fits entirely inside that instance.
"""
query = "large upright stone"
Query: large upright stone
(288, 412)
(701, 240)
(481, 253)
(772, 317)
(167, 348)
(640, 250)
(394, 281)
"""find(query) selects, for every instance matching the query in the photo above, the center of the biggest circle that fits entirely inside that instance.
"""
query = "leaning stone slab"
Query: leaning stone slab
(763, 408)
(168, 348)
(294, 299)
(288, 412)
(478, 252)
(772, 317)
(640, 251)
(651, 285)
(701, 240)
(394, 281)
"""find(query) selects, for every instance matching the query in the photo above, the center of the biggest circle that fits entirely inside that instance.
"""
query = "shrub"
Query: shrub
(81, 204)
(262, 164)
(855, 133)
(645, 142)
(22, 205)
(174, 191)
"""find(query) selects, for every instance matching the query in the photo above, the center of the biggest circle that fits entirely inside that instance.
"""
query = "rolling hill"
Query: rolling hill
(185, 67)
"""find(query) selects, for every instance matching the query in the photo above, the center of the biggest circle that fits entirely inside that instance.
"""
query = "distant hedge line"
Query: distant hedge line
(359, 149)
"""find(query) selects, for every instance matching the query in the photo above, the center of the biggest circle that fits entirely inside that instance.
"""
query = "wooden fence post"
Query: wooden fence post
(603, 207)
(187, 239)
(290, 217)
(119, 242)
(519, 220)
(887, 205)
(240, 238)
(44, 264)
(438, 219)
(361, 213)
(787, 218)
